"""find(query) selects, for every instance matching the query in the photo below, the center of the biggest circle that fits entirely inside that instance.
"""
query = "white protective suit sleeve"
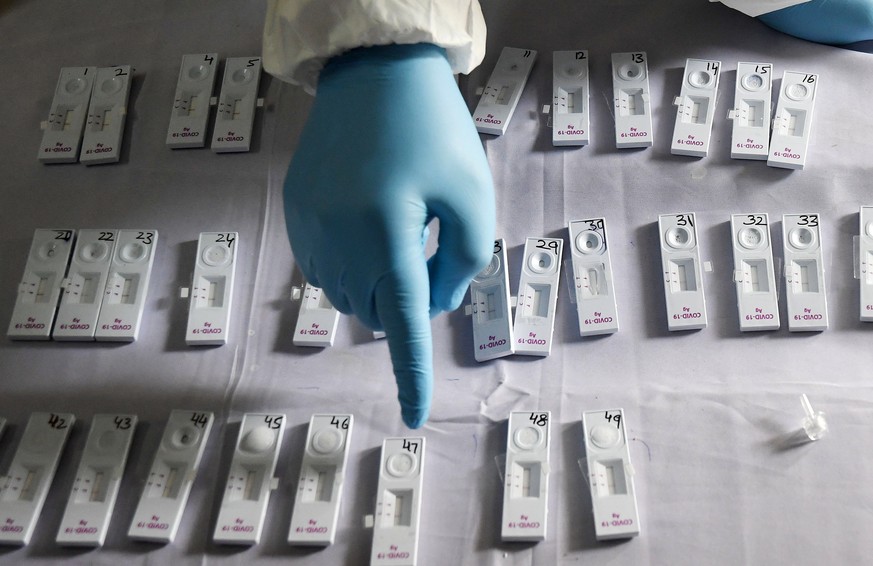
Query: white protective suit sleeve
(301, 35)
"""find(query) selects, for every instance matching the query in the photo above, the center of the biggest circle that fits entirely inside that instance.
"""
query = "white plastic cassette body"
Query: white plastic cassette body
(696, 103)
(631, 100)
(171, 477)
(570, 94)
(84, 285)
(237, 103)
(791, 125)
(750, 134)
(398, 502)
(212, 289)
(98, 479)
(317, 320)
(610, 475)
(250, 480)
(503, 91)
(491, 308)
(537, 296)
(754, 272)
(593, 282)
(190, 116)
(865, 262)
(26, 485)
(804, 273)
(127, 286)
(40, 287)
(683, 276)
(526, 479)
(62, 133)
(322, 477)
(106, 116)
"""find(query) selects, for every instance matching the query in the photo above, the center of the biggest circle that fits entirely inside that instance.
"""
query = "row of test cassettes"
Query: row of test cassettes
(496, 335)
(93, 286)
(750, 139)
(250, 480)
(89, 108)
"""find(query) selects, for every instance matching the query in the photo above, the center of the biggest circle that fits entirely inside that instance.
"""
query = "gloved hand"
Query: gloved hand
(390, 144)
(835, 22)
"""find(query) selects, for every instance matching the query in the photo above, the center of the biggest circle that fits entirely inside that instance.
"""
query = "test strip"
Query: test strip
(750, 134)
(490, 307)
(236, 105)
(503, 91)
(98, 479)
(317, 320)
(84, 285)
(250, 480)
(106, 116)
(398, 503)
(62, 133)
(190, 115)
(804, 273)
(537, 296)
(754, 272)
(127, 286)
(683, 279)
(791, 126)
(26, 485)
(526, 481)
(212, 289)
(592, 277)
(631, 100)
(865, 262)
(610, 475)
(40, 286)
(696, 108)
(570, 115)
(322, 476)
(2, 426)
(171, 477)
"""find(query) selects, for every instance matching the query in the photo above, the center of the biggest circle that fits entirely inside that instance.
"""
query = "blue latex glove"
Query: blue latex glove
(835, 22)
(390, 144)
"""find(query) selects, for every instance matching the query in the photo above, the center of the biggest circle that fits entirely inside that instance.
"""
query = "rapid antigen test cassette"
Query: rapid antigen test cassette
(322, 477)
(171, 477)
(683, 280)
(127, 286)
(491, 308)
(593, 282)
(570, 123)
(398, 503)
(84, 285)
(754, 272)
(98, 479)
(526, 480)
(537, 296)
(190, 115)
(865, 263)
(26, 485)
(791, 125)
(250, 480)
(106, 116)
(750, 135)
(62, 133)
(631, 100)
(236, 105)
(804, 273)
(503, 91)
(212, 289)
(317, 320)
(696, 103)
(610, 475)
(40, 286)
